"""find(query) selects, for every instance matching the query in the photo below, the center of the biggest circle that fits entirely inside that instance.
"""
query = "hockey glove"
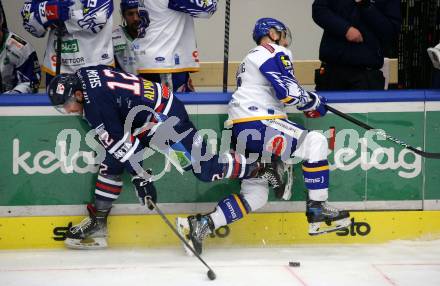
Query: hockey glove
(316, 107)
(434, 55)
(50, 12)
(145, 190)
(144, 21)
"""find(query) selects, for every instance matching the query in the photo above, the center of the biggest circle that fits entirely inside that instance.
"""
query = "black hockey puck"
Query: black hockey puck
(294, 264)
(211, 275)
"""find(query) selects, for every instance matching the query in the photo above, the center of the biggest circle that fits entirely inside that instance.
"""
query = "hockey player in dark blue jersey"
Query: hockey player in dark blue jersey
(129, 113)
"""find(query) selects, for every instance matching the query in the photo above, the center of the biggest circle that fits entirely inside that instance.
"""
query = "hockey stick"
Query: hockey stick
(211, 274)
(59, 32)
(384, 134)
(226, 46)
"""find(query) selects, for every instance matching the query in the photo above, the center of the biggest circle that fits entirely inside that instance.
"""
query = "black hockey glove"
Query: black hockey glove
(144, 189)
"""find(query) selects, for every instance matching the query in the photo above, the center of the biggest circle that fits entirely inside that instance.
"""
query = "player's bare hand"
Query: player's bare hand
(354, 35)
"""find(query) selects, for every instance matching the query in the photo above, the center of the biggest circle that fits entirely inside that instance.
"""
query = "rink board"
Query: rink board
(37, 170)
(265, 230)
(42, 194)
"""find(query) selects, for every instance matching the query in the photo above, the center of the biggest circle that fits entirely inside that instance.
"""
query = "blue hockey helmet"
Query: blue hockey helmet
(61, 90)
(263, 26)
(129, 4)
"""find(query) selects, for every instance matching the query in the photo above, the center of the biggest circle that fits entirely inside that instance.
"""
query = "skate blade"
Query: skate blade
(87, 243)
(183, 229)
(318, 228)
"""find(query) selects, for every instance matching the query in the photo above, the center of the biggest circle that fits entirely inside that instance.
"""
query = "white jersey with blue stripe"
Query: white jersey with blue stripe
(87, 37)
(169, 45)
(266, 83)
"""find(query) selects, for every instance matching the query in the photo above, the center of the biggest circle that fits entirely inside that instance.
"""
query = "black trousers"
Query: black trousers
(330, 77)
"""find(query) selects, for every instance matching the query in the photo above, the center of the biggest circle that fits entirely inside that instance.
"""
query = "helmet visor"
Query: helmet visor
(286, 37)
(71, 106)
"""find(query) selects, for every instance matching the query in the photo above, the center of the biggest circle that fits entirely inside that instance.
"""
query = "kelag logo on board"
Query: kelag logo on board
(360, 152)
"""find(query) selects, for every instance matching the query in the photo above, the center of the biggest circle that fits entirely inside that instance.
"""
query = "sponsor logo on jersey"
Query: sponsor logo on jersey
(104, 56)
(195, 55)
(159, 59)
(276, 145)
(12, 42)
(129, 61)
(285, 127)
(286, 62)
(73, 62)
(176, 59)
(120, 48)
(314, 180)
(253, 108)
(68, 46)
(148, 89)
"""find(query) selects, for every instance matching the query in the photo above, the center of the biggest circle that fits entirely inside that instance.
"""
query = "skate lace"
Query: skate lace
(329, 210)
(271, 178)
(82, 226)
(201, 230)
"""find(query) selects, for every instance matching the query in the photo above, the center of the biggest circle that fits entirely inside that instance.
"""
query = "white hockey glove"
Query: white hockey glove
(434, 55)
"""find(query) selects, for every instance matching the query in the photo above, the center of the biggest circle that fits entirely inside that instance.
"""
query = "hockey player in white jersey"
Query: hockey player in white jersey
(19, 66)
(266, 84)
(126, 36)
(87, 31)
(169, 50)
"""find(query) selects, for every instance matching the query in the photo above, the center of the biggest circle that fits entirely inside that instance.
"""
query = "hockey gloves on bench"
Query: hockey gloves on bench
(315, 107)
(145, 190)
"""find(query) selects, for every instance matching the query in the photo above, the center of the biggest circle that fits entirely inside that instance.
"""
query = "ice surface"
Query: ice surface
(411, 263)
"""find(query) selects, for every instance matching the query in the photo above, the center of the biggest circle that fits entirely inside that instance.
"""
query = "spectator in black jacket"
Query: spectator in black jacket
(356, 35)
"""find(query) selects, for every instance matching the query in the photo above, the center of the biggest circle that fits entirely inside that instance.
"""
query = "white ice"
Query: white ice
(410, 263)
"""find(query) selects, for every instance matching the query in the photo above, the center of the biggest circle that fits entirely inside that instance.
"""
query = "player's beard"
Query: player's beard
(133, 29)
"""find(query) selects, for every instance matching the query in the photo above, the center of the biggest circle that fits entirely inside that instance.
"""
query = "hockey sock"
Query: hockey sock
(103, 205)
(236, 167)
(316, 179)
(230, 209)
(107, 188)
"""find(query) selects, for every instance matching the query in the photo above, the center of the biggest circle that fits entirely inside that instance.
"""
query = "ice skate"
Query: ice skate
(90, 233)
(195, 229)
(323, 218)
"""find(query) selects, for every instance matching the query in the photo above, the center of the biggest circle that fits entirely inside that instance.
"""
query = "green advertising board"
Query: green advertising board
(40, 172)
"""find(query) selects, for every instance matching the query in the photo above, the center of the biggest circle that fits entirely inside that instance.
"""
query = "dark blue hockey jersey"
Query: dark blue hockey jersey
(111, 97)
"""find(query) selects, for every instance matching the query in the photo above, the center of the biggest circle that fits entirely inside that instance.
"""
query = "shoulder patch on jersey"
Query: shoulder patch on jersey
(285, 60)
(268, 47)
